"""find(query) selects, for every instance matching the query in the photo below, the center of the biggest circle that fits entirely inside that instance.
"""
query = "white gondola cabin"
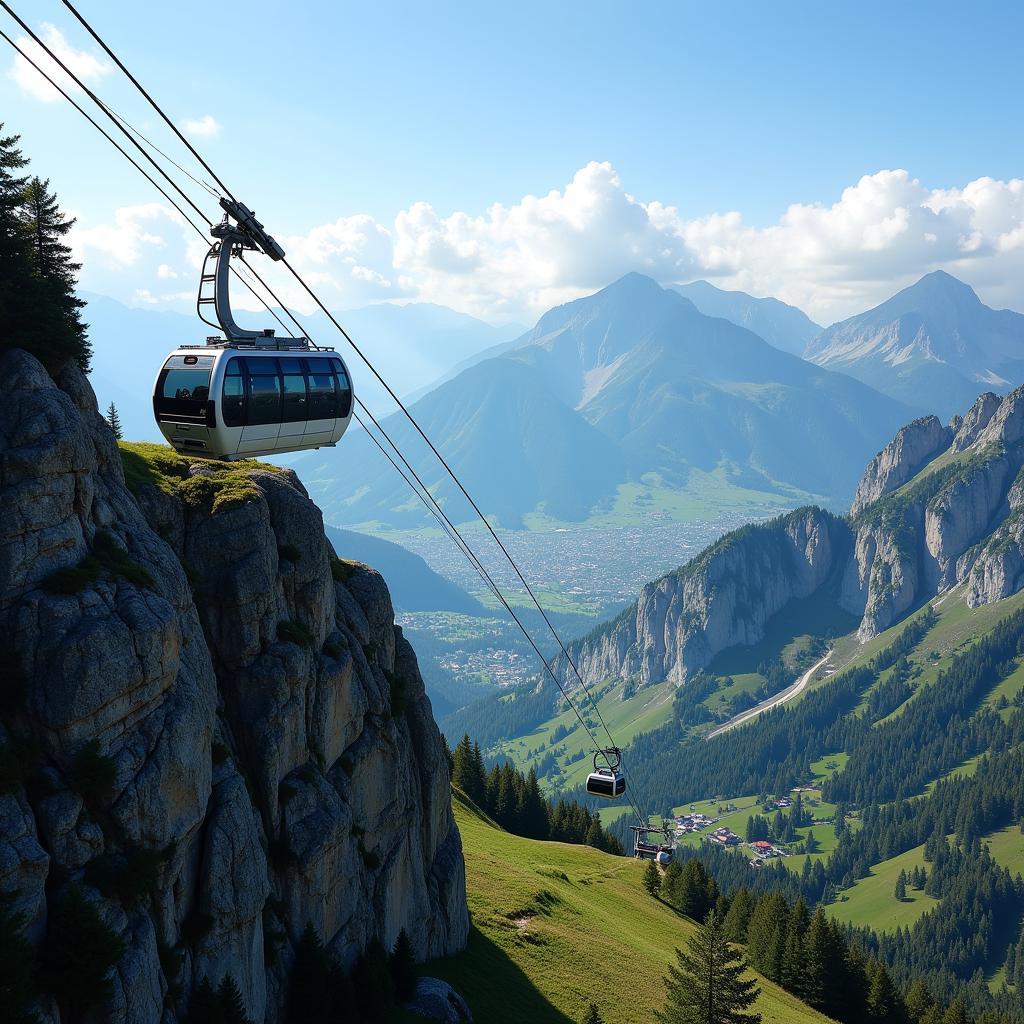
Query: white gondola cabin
(607, 781)
(250, 393)
(239, 402)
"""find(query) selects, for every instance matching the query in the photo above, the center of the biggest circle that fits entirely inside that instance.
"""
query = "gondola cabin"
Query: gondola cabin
(236, 402)
(606, 780)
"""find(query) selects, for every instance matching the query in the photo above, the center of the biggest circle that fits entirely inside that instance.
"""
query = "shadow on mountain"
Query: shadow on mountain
(494, 986)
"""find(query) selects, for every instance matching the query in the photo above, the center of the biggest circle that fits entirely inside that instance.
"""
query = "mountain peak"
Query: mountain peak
(934, 344)
(939, 285)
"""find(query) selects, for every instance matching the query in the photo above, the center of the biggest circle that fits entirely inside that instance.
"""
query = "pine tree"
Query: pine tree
(479, 775)
(919, 1000)
(19, 290)
(901, 887)
(793, 950)
(670, 883)
(114, 419)
(593, 1016)
(706, 984)
(652, 879)
(205, 1006)
(374, 989)
(403, 967)
(78, 953)
(737, 920)
(766, 934)
(231, 1002)
(309, 989)
(17, 965)
(884, 1003)
(956, 1013)
(60, 309)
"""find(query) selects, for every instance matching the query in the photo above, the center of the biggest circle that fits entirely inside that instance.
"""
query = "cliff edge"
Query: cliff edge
(200, 696)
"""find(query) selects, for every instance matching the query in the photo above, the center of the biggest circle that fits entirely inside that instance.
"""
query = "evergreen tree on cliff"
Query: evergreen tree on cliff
(231, 1002)
(56, 273)
(38, 306)
(16, 965)
(114, 419)
(77, 955)
(706, 985)
(16, 284)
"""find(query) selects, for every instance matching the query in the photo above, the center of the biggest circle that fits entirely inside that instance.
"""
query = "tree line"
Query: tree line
(38, 306)
(515, 802)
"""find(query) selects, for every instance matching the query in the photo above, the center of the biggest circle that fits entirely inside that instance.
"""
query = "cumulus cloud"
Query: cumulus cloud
(205, 127)
(513, 262)
(86, 66)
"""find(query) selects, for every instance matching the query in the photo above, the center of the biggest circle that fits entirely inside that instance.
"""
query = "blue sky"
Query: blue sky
(339, 110)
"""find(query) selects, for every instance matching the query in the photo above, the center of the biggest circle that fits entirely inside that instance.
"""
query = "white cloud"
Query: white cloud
(136, 232)
(513, 262)
(205, 127)
(86, 66)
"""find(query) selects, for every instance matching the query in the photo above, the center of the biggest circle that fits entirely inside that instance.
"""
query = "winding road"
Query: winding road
(772, 702)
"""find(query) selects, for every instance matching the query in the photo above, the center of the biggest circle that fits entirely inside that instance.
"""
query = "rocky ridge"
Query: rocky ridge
(938, 507)
(256, 719)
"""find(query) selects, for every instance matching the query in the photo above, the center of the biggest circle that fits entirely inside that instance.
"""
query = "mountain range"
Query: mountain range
(933, 345)
(780, 324)
(630, 385)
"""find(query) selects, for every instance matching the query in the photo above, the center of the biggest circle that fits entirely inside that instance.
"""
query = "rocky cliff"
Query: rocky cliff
(723, 597)
(199, 697)
(938, 507)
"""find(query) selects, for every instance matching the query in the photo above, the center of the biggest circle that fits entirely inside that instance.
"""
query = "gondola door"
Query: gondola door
(263, 408)
(294, 403)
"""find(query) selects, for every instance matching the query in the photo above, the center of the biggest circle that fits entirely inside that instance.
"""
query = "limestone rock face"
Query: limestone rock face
(913, 446)
(724, 597)
(960, 514)
(881, 581)
(262, 724)
(975, 421)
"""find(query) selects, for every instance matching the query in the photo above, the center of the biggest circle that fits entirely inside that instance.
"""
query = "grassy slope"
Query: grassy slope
(871, 901)
(555, 926)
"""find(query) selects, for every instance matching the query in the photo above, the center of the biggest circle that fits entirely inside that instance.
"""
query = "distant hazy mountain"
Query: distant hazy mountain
(781, 325)
(414, 586)
(412, 345)
(934, 345)
(628, 383)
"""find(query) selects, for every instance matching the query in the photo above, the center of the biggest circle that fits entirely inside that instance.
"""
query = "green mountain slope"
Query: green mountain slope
(555, 927)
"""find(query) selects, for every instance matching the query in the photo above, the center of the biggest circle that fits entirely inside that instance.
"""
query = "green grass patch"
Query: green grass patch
(342, 569)
(106, 558)
(1007, 847)
(293, 631)
(546, 915)
(219, 487)
(870, 901)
